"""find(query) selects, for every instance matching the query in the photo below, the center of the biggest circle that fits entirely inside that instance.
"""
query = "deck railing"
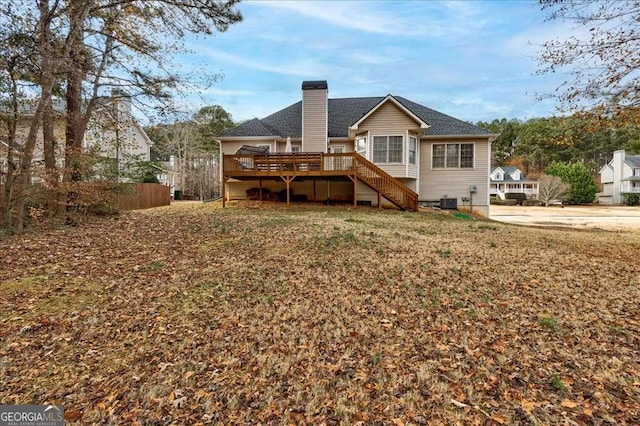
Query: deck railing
(319, 164)
(394, 190)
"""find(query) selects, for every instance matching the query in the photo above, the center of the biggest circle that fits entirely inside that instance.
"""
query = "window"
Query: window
(438, 156)
(413, 143)
(337, 149)
(387, 149)
(361, 146)
(466, 155)
(295, 148)
(452, 156)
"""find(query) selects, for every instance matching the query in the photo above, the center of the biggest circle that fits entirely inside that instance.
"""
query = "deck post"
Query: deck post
(355, 191)
(260, 181)
(379, 201)
(314, 190)
(224, 195)
(287, 180)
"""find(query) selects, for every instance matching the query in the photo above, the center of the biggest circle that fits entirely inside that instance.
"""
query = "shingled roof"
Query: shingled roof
(343, 112)
(633, 161)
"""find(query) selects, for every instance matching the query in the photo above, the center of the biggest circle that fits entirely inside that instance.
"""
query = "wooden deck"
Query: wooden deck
(289, 166)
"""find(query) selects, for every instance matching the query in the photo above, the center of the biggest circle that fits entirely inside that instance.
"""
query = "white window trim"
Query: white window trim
(401, 163)
(344, 148)
(415, 163)
(433, 144)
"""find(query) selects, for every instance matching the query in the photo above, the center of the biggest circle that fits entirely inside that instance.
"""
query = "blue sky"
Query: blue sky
(473, 60)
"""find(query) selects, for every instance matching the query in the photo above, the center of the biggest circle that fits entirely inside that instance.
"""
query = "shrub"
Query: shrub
(630, 199)
(518, 196)
(505, 202)
(583, 187)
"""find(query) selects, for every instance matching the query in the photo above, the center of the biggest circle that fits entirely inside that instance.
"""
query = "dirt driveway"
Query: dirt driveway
(613, 218)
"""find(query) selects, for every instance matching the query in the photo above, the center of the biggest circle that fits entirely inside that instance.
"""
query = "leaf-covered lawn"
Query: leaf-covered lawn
(260, 314)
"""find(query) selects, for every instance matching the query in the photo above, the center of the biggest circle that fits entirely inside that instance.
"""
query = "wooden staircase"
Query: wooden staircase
(385, 184)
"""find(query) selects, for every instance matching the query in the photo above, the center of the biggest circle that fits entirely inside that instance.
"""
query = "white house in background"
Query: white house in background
(112, 133)
(510, 179)
(620, 175)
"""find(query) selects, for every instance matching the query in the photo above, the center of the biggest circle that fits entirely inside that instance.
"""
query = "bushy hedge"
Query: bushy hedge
(518, 196)
(630, 199)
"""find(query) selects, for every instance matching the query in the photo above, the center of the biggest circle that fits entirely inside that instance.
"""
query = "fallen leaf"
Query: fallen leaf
(528, 406)
(568, 403)
(498, 418)
(458, 403)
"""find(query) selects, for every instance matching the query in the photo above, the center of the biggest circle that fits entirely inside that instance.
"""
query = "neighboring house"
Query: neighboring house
(113, 134)
(620, 175)
(505, 179)
(380, 150)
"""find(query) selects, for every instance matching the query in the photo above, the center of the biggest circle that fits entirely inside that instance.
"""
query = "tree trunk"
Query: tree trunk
(74, 129)
(11, 166)
(51, 173)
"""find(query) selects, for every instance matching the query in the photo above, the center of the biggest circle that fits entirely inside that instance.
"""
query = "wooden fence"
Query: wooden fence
(144, 196)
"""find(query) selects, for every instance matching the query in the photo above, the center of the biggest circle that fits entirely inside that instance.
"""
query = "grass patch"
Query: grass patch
(444, 253)
(549, 323)
(154, 265)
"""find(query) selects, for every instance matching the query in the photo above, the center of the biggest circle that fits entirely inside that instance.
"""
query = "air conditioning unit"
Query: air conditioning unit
(449, 203)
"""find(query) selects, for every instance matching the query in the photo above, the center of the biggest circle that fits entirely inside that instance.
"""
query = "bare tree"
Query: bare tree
(551, 188)
(603, 58)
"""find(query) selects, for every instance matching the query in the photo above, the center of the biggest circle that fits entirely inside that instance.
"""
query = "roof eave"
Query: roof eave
(245, 138)
(487, 136)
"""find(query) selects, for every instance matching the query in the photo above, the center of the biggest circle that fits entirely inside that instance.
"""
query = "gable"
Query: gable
(388, 116)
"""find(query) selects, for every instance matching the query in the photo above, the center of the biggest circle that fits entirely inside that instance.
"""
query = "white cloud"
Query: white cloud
(349, 15)
(445, 19)
(307, 68)
(216, 91)
(369, 58)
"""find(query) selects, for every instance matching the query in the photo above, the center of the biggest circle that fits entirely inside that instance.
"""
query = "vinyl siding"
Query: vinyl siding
(314, 120)
(607, 175)
(454, 183)
(348, 145)
(389, 120)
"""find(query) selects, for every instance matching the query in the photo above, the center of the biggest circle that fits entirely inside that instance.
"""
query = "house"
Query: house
(113, 135)
(621, 175)
(383, 151)
(505, 179)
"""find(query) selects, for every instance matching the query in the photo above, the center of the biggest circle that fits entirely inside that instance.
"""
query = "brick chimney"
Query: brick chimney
(314, 116)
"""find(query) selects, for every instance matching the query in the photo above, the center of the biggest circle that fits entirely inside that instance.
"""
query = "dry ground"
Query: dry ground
(260, 314)
(613, 218)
